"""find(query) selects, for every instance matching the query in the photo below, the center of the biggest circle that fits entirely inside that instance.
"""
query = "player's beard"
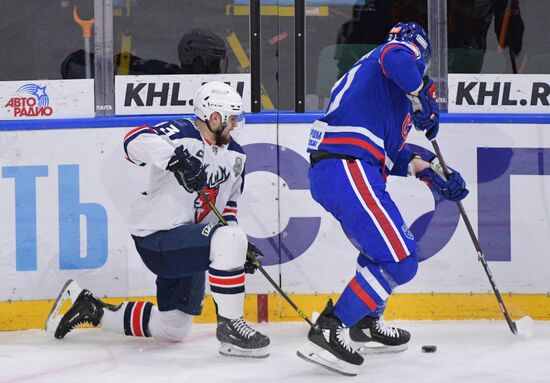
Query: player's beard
(222, 140)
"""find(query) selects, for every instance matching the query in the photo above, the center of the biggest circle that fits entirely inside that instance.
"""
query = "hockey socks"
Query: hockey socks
(236, 337)
(227, 288)
(132, 319)
(363, 295)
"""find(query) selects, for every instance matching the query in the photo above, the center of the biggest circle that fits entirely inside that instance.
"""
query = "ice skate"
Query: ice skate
(69, 292)
(373, 336)
(85, 308)
(237, 338)
(329, 345)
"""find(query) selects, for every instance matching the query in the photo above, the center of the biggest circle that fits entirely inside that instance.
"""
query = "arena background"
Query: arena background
(66, 186)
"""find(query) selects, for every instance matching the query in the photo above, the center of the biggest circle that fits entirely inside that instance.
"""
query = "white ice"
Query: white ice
(467, 351)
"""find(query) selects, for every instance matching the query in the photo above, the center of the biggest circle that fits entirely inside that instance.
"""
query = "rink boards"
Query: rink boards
(66, 194)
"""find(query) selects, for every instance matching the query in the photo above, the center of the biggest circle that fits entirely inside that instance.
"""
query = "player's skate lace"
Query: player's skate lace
(386, 330)
(342, 337)
(243, 328)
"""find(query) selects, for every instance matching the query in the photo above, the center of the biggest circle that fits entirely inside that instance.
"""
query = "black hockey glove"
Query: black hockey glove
(253, 256)
(452, 189)
(188, 170)
(427, 118)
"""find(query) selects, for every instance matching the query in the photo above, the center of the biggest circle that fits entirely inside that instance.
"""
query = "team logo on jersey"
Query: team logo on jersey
(218, 177)
(213, 182)
(407, 232)
(238, 166)
(405, 129)
(202, 208)
(316, 135)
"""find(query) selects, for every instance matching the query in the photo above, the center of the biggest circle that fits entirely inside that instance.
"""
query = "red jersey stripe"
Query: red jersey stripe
(378, 213)
(383, 53)
(357, 142)
(362, 294)
(137, 129)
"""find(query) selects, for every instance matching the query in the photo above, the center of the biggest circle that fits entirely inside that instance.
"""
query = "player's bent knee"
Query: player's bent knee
(172, 326)
(403, 271)
(228, 248)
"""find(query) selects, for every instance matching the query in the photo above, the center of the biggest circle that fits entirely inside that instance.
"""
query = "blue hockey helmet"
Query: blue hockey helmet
(413, 33)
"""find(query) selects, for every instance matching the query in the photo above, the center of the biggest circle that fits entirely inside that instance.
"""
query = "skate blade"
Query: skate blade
(312, 353)
(228, 349)
(372, 348)
(70, 291)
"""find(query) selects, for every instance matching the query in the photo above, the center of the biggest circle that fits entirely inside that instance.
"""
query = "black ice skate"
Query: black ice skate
(372, 336)
(85, 308)
(329, 345)
(237, 338)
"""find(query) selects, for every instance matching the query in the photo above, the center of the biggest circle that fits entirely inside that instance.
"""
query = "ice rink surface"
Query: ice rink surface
(467, 351)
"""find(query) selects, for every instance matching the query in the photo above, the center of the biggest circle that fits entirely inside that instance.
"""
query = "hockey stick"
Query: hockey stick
(526, 322)
(262, 270)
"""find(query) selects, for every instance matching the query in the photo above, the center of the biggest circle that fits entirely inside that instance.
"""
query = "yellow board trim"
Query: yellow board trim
(24, 315)
(274, 10)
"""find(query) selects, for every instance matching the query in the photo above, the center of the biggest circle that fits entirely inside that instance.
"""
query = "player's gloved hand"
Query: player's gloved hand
(427, 119)
(452, 189)
(188, 170)
(253, 256)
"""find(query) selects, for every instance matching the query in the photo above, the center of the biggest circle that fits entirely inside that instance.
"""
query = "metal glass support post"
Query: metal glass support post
(437, 32)
(299, 56)
(103, 66)
(255, 57)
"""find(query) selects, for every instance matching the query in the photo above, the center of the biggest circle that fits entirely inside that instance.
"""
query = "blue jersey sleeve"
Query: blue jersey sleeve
(399, 64)
(401, 164)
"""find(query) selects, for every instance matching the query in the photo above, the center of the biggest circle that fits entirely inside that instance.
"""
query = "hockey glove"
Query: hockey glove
(426, 118)
(253, 256)
(188, 170)
(452, 189)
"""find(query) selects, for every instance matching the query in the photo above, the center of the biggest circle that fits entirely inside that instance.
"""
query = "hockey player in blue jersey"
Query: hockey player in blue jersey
(353, 148)
(178, 235)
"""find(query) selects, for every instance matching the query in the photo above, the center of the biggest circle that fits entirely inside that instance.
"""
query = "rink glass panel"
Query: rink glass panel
(41, 40)
(151, 32)
(349, 30)
(36, 38)
(498, 37)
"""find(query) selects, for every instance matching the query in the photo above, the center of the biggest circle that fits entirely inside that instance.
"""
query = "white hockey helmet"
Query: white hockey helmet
(216, 96)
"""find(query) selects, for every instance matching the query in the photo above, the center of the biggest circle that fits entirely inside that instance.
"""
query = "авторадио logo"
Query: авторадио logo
(31, 100)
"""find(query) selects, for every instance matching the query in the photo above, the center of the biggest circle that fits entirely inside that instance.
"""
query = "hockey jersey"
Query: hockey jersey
(369, 114)
(163, 203)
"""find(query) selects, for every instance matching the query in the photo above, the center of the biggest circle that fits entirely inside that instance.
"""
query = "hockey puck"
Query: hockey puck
(429, 348)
